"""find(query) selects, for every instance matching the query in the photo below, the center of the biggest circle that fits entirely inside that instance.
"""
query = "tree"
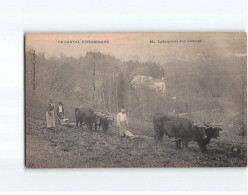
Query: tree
(242, 96)
(56, 78)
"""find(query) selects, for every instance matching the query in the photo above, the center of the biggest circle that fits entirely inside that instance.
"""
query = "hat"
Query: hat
(60, 103)
(49, 101)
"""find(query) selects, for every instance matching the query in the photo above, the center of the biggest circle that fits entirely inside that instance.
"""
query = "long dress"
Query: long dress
(50, 119)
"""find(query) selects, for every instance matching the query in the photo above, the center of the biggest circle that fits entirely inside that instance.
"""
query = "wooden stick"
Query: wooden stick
(171, 141)
(146, 137)
(143, 136)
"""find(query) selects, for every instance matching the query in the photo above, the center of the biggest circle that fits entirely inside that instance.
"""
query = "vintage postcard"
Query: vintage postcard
(131, 100)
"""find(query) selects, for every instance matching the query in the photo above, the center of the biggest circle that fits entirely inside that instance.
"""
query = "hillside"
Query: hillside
(80, 148)
(103, 81)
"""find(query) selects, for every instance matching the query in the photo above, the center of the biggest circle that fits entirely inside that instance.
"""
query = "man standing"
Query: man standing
(122, 122)
(60, 111)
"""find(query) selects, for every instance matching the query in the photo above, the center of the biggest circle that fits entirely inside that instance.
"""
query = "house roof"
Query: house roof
(145, 80)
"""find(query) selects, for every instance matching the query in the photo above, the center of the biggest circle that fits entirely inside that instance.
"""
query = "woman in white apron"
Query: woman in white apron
(50, 118)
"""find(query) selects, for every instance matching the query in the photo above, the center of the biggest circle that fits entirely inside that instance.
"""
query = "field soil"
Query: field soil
(75, 148)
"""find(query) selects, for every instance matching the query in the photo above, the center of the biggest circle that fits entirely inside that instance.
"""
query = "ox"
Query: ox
(181, 129)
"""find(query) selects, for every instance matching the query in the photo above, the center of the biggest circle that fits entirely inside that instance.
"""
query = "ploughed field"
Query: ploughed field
(71, 147)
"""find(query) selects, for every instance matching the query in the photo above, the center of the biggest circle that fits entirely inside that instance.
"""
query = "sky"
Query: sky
(137, 46)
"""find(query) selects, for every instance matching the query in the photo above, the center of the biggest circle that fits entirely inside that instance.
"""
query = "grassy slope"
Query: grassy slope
(81, 148)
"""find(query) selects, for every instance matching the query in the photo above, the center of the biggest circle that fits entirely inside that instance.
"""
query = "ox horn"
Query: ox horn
(218, 125)
(204, 125)
(221, 124)
(197, 123)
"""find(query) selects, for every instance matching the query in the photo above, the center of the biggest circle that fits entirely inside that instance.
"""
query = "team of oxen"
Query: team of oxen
(184, 131)
(89, 117)
(181, 129)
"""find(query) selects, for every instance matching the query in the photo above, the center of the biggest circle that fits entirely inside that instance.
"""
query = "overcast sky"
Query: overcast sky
(137, 46)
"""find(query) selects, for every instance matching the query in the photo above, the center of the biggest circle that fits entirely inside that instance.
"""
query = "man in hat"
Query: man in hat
(60, 110)
(122, 122)
(50, 118)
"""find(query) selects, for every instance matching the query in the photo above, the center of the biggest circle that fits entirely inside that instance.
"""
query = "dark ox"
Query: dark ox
(101, 120)
(211, 132)
(85, 115)
(109, 117)
(181, 129)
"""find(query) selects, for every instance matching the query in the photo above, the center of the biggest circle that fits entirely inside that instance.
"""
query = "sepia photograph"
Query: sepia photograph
(135, 100)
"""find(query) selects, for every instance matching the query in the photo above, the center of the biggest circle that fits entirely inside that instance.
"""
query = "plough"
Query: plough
(65, 122)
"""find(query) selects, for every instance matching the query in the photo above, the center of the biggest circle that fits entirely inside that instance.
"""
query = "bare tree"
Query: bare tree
(242, 97)
(55, 78)
(34, 73)
(93, 82)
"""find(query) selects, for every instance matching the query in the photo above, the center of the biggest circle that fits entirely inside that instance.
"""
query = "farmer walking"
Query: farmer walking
(122, 122)
(50, 118)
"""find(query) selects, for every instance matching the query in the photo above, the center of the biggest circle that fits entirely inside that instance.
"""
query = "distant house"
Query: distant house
(147, 81)
(78, 91)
